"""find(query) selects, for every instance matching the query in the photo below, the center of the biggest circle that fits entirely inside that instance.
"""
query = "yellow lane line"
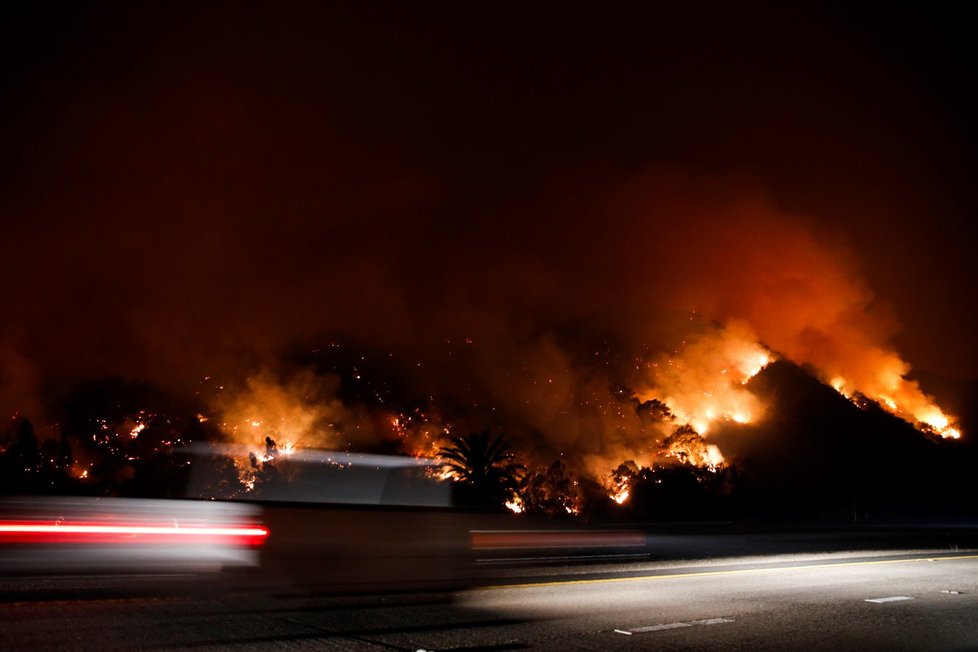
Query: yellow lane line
(742, 571)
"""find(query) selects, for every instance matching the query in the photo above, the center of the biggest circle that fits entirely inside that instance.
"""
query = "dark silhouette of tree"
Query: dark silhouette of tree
(271, 448)
(125, 431)
(625, 473)
(560, 491)
(653, 410)
(50, 476)
(65, 456)
(25, 451)
(484, 469)
(20, 464)
(550, 491)
(622, 479)
(687, 445)
(679, 491)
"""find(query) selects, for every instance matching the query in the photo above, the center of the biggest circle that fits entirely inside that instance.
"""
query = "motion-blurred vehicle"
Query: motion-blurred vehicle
(45, 535)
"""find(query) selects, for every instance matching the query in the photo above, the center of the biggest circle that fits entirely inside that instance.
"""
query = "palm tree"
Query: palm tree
(484, 468)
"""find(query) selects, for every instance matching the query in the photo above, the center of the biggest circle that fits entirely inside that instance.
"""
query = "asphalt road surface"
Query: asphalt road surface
(851, 600)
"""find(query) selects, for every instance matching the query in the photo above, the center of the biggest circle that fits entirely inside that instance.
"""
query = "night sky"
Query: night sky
(184, 191)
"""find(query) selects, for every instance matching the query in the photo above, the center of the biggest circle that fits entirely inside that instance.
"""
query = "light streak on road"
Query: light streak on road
(737, 571)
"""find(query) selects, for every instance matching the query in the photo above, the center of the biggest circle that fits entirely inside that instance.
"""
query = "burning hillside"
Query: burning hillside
(631, 431)
(592, 411)
(636, 343)
(819, 454)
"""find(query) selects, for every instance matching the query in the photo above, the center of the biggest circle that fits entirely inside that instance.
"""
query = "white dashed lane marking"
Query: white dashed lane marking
(893, 598)
(679, 625)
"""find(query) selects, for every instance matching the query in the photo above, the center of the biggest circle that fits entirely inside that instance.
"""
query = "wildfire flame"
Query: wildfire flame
(273, 450)
(621, 495)
(905, 399)
(272, 416)
(421, 433)
(681, 399)
(619, 482)
(515, 505)
(80, 471)
(703, 383)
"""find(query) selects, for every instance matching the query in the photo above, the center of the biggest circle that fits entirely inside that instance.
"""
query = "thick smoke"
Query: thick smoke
(299, 411)
(551, 318)
(192, 201)
(704, 381)
(741, 259)
(678, 291)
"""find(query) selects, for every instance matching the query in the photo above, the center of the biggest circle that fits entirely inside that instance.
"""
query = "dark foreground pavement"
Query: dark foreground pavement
(850, 600)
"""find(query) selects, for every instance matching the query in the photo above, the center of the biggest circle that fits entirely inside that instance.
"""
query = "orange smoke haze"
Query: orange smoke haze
(300, 410)
(742, 261)
(372, 227)
(703, 382)
(550, 319)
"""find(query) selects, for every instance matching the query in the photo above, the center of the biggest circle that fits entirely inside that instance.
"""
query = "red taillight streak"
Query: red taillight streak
(67, 532)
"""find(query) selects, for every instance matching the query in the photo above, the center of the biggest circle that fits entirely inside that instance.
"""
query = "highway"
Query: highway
(890, 599)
